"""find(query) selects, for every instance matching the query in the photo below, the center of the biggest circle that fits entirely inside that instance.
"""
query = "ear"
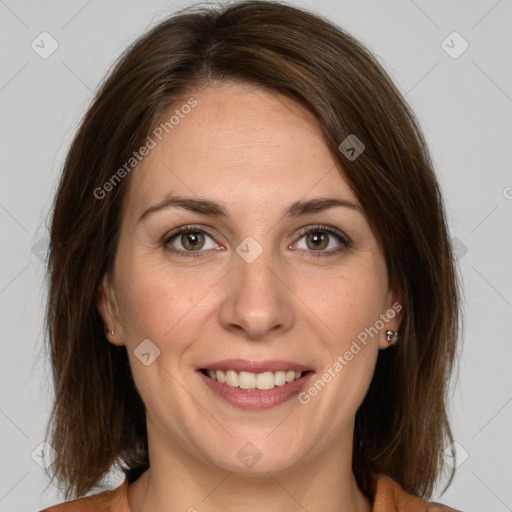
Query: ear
(107, 307)
(392, 316)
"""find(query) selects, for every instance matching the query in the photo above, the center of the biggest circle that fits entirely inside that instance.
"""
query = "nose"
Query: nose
(258, 301)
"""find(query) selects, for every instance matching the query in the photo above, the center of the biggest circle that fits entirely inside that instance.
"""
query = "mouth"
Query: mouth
(252, 385)
(252, 381)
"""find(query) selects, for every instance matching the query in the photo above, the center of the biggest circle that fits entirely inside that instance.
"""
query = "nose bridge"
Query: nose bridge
(256, 267)
(257, 300)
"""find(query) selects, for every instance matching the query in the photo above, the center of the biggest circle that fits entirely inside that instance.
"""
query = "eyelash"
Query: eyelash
(345, 241)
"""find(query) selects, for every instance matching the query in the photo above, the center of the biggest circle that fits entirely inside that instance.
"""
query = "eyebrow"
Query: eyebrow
(213, 208)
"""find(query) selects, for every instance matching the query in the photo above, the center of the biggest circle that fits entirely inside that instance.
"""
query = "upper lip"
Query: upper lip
(243, 365)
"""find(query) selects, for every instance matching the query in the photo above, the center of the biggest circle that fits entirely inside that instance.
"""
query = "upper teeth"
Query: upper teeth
(247, 380)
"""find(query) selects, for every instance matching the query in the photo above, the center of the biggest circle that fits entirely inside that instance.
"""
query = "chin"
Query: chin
(256, 457)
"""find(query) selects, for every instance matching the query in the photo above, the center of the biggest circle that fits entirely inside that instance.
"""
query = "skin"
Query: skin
(256, 152)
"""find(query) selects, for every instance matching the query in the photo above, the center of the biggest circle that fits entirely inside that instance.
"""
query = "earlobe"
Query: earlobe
(394, 314)
(107, 307)
(388, 339)
(391, 337)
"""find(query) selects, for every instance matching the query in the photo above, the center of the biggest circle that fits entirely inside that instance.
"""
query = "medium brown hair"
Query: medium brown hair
(98, 417)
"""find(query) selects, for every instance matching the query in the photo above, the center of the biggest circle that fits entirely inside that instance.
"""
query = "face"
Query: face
(241, 278)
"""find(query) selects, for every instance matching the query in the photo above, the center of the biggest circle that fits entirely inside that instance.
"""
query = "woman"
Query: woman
(253, 302)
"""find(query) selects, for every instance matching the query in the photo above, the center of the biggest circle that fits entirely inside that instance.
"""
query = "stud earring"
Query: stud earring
(110, 333)
(392, 337)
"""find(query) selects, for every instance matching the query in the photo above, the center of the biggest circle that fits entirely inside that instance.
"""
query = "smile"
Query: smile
(255, 385)
(248, 380)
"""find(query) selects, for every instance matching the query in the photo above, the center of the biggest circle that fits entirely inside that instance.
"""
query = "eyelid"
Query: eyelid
(187, 227)
(329, 229)
(345, 241)
(342, 238)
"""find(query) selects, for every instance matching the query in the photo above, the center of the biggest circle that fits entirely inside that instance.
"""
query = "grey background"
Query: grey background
(465, 108)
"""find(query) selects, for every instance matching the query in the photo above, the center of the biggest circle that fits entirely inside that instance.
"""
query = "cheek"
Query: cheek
(352, 304)
(156, 305)
(146, 305)
(353, 309)
(350, 355)
(160, 304)
(147, 295)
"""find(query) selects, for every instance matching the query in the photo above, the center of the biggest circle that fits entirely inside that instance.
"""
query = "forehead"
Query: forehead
(238, 144)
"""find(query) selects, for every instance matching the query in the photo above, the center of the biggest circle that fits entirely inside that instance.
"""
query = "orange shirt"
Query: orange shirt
(389, 497)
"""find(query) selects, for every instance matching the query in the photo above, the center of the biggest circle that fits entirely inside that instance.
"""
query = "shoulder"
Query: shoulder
(390, 497)
(106, 501)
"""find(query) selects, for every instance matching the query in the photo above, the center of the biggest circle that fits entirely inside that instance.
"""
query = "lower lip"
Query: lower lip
(256, 399)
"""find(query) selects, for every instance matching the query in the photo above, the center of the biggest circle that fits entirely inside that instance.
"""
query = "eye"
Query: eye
(319, 238)
(189, 240)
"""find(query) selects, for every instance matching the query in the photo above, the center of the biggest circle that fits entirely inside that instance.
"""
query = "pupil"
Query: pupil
(192, 240)
(319, 240)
